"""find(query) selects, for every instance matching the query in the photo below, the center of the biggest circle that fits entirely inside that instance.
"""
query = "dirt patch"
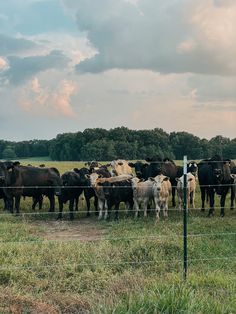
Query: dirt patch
(83, 230)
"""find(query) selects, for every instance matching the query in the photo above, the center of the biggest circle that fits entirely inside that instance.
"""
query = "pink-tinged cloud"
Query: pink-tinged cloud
(39, 100)
(3, 64)
(61, 99)
(186, 46)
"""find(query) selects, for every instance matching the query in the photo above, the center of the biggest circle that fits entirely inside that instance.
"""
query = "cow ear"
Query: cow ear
(99, 176)
(131, 164)
(16, 163)
(177, 179)
(190, 179)
(166, 179)
(148, 159)
(87, 176)
(233, 176)
(151, 179)
(120, 163)
(76, 170)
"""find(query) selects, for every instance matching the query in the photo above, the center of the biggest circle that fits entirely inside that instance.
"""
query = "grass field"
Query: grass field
(130, 266)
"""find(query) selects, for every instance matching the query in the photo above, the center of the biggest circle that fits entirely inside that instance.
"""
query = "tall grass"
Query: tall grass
(134, 267)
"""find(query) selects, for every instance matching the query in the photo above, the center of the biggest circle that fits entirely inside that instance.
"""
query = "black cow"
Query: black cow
(33, 182)
(88, 190)
(4, 167)
(214, 176)
(117, 192)
(71, 190)
(157, 166)
(233, 186)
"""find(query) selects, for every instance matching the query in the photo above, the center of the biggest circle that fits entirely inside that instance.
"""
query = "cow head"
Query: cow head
(192, 167)
(139, 168)
(158, 181)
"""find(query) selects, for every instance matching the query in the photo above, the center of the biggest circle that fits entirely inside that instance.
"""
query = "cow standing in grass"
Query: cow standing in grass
(191, 188)
(214, 176)
(116, 190)
(161, 192)
(32, 182)
(142, 194)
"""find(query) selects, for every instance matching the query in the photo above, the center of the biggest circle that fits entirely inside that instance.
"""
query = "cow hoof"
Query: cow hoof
(202, 209)
(59, 218)
(222, 215)
(88, 215)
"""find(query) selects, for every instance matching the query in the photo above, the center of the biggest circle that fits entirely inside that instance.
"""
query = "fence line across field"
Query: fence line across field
(89, 186)
(149, 237)
(75, 265)
(94, 211)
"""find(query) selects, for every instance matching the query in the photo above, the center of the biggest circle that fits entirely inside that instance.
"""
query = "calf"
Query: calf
(106, 198)
(161, 191)
(93, 180)
(88, 190)
(157, 166)
(142, 194)
(71, 190)
(117, 192)
(191, 187)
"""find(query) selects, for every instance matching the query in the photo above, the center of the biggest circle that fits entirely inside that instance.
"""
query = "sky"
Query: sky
(68, 65)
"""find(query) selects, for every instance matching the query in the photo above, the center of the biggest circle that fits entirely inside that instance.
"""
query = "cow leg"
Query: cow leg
(10, 204)
(232, 198)
(145, 203)
(87, 199)
(77, 204)
(17, 203)
(6, 203)
(60, 208)
(222, 201)
(173, 197)
(71, 208)
(127, 207)
(117, 211)
(203, 196)
(192, 199)
(100, 208)
(158, 209)
(106, 209)
(165, 210)
(136, 207)
(96, 205)
(52, 203)
(212, 201)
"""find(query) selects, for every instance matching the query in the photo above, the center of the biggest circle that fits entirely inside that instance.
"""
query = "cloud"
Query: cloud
(169, 37)
(3, 64)
(45, 101)
(22, 69)
(12, 45)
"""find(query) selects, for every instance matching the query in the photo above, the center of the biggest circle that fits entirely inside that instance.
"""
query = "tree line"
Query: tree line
(101, 144)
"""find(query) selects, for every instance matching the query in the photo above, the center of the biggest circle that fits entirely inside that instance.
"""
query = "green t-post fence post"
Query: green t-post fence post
(185, 211)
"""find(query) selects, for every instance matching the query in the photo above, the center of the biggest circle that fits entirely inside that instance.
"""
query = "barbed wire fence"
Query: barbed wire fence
(185, 236)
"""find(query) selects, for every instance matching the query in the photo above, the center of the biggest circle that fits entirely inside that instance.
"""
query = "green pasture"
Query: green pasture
(129, 266)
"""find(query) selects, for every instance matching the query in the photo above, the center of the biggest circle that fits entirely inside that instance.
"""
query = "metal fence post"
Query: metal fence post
(185, 210)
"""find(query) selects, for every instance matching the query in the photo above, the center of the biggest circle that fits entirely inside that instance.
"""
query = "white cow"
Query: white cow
(142, 194)
(161, 191)
(191, 188)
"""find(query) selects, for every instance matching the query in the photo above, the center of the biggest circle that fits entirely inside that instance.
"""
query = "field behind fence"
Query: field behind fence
(130, 266)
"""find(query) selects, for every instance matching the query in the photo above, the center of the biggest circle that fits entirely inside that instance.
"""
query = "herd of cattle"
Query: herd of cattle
(109, 185)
